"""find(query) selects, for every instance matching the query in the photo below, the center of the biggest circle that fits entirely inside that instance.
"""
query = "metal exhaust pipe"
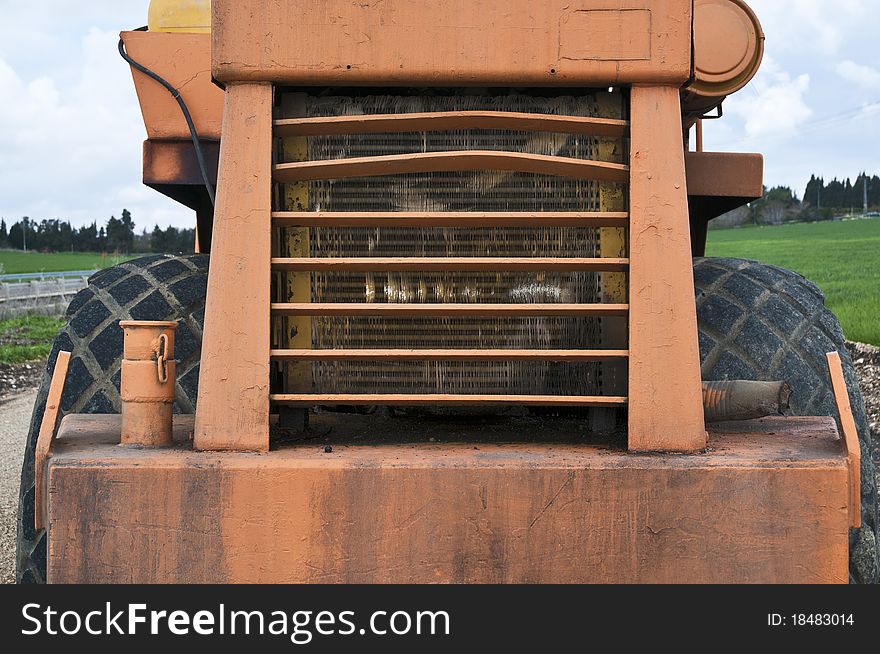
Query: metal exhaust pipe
(744, 400)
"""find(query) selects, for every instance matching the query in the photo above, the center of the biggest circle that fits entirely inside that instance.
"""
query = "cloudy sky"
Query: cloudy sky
(70, 127)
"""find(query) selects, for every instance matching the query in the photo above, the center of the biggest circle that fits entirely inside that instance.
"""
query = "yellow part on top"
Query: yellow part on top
(193, 16)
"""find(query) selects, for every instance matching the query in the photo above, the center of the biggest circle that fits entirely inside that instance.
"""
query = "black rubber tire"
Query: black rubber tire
(151, 288)
(766, 323)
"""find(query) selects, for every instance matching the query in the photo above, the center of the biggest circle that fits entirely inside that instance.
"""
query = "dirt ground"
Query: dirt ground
(867, 361)
(15, 414)
(20, 377)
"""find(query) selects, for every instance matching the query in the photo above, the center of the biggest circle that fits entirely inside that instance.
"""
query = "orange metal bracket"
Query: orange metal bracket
(443, 264)
(449, 219)
(185, 61)
(434, 162)
(446, 310)
(850, 438)
(449, 120)
(47, 433)
(362, 354)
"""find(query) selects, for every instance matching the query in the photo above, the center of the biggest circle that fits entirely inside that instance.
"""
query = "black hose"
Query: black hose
(197, 144)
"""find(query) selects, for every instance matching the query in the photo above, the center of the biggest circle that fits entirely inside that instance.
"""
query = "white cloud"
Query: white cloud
(859, 74)
(801, 112)
(810, 25)
(70, 140)
(774, 104)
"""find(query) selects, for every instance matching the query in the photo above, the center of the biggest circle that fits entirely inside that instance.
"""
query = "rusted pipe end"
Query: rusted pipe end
(744, 400)
(149, 372)
(142, 338)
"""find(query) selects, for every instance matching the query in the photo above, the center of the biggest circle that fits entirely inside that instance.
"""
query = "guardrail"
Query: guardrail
(46, 296)
(66, 274)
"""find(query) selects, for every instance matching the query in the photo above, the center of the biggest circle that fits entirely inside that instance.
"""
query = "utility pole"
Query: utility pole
(866, 194)
(24, 223)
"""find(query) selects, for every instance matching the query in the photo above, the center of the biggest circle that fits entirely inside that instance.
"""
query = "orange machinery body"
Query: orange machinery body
(717, 182)
(766, 505)
(767, 501)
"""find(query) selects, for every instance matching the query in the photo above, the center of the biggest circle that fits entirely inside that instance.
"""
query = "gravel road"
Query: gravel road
(15, 414)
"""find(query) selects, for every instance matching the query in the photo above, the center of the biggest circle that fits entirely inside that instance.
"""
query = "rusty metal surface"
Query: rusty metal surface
(171, 167)
(149, 372)
(732, 175)
(482, 42)
(719, 182)
(766, 504)
(184, 60)
(468, 198)
(47, 434)
(172, 163)
(851, 443)
(744, 400)
(728, 50)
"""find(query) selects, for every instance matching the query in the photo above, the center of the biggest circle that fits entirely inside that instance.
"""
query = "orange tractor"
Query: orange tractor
(449, 318)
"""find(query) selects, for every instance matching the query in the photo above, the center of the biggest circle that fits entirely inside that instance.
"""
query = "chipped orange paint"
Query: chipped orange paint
(728, 47)
(725, 174)
(233, 406)
(665, 407)
(485, 42)
(772, 509)
(184, 60)
(43, 448)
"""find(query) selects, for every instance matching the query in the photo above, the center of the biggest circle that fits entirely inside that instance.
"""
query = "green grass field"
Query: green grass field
(28, 338)
(13, 262)
(842, 258)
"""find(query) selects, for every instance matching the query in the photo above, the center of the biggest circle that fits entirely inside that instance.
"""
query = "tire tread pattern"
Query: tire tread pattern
(159, 287)
(762, 322)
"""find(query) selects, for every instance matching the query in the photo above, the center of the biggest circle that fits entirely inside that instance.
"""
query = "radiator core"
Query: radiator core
(457, 191)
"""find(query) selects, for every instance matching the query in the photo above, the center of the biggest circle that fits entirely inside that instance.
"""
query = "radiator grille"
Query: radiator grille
(465, 191)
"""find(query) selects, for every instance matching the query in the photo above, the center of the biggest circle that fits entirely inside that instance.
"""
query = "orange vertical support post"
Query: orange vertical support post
(665, 398)
(51, 417)
(235, 347)
(850, 438)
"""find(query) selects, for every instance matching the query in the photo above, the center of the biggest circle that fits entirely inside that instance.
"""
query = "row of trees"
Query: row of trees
(842, 195)
(117, 235)
(821, 201)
